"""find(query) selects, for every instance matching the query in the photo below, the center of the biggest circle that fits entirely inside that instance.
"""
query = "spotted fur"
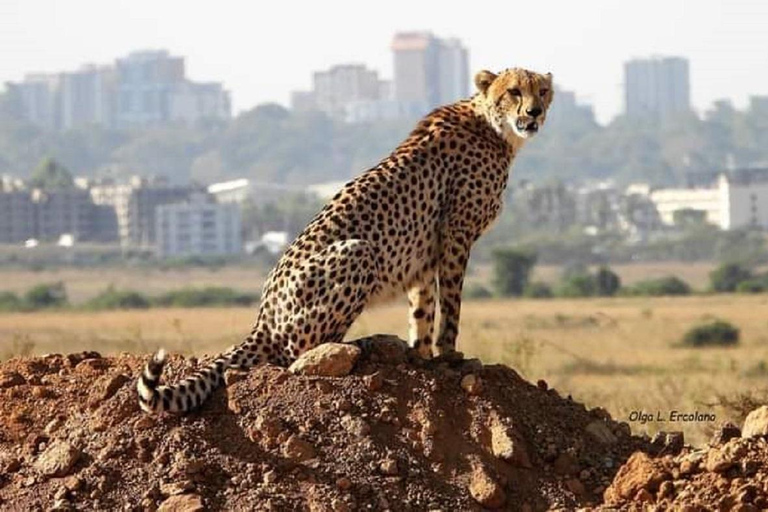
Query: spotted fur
(404, 226)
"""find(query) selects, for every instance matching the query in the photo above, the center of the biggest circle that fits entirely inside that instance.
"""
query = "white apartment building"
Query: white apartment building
(737, 199)
(198, 227)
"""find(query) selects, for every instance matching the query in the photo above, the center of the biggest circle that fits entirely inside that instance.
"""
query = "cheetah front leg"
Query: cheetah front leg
(453, 265)
(421, 302)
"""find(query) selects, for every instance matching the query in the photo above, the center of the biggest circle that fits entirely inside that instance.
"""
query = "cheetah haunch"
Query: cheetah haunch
(405, 226)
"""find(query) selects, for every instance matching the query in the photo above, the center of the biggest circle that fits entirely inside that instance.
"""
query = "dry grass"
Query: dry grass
(621, 354)
(83, 284)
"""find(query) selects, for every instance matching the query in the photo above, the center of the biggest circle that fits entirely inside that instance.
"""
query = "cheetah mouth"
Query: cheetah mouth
(526, 128)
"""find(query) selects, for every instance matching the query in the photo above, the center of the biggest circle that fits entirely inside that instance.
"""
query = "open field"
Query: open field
(621, 354)
(84, 283)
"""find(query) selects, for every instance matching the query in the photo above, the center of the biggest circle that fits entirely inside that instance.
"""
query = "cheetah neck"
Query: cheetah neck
(513, 142)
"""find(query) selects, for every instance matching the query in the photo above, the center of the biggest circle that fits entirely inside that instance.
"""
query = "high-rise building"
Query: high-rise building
(334, 90)
(40, 99)
(87, 97)
(656, 87)
(429, 71)
(145, 88)
(567, 110)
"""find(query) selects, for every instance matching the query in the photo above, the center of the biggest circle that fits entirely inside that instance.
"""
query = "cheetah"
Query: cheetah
(405, 226)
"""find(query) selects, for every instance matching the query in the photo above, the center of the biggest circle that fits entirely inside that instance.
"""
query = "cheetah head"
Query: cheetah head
(515, 100)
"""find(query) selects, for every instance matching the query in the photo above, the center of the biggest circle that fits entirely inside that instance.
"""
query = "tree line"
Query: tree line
(273, 144)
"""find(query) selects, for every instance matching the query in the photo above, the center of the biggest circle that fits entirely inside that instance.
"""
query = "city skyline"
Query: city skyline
(261, 59)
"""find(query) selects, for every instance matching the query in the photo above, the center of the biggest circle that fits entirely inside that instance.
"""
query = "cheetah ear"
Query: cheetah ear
(549, 78)
(484, 79)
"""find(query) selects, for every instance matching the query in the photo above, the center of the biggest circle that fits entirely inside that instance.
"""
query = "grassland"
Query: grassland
(85, 283)
(622, 354)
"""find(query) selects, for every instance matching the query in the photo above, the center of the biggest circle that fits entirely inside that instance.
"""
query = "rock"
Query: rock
(756, 423)
(270, 477)
(374, 382)
(182, 503)
(385, 348)
(485, 490)
(105, 387)
(343, 483)
(565, 464)
(355, 426)
(724, 433)
(472, 384)
(58, 459)
(11, 379)
(9, 464)
(724, 458)
(575, 486)
(298, 450)
(388, 467)
(601, 433)
(640, 472)
(508, 446)
(174, 488)
(327, 360)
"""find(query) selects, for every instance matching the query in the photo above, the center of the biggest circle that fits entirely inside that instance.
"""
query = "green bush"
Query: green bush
(511, 271)
(118, 299)
(579, 285)
(477, 291)
(9, 301)
(538, 290)
(757, 284)
(202, 297)
(660, 287)
(45, 296)
(728, 277)
(715, 333)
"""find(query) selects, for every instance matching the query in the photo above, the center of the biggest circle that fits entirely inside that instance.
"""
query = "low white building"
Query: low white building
(735, 200)
(198, 227)
(243, 190)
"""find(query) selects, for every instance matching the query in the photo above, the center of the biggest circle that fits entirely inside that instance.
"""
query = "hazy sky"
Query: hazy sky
(261, 50)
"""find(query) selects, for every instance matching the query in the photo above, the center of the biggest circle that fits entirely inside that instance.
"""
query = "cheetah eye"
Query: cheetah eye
(543, 92)
(515, 92)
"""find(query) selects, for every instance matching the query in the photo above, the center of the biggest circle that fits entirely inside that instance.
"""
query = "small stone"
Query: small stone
(174, 488)
(270, 477)
(355, 426)
(756, 423)
(566, 464)
(542, 384)
(11, 379)
(666, 489)
(724, 433)
(599, 430)
(9, 465)
(643, 496)
(575, 486)
(639, 473)
(388, 467)
(327, 360)
(105, 387)
(73, 483)
(472, 384)
(343, 483)
(58, 459)
(724, 458)
(674, 442)
(297, 449)
(507, 445)
(182, 503)
(374, 382)
(485, 490)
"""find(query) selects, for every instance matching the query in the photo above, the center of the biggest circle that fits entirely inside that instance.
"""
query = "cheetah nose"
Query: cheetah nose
(533, 112)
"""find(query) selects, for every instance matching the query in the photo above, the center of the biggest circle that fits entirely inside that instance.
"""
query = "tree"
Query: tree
(512, 270)
(728, 276)
(51, 175)
(607, 282)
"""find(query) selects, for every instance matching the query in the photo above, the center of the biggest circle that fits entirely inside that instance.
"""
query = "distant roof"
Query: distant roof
(226, 186)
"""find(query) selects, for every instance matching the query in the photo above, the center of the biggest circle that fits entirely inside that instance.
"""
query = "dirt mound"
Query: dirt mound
(396, 433)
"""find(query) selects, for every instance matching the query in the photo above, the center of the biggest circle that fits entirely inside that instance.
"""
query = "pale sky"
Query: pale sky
(261, 50)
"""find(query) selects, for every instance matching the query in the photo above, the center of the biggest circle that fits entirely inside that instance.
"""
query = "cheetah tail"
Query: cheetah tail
(183, 396)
